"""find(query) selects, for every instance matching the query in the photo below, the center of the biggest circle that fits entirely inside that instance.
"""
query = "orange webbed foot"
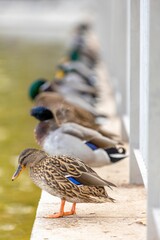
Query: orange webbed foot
(58, 215)
(72, 212)
(55, 215)
(61, 213)
(69, 213)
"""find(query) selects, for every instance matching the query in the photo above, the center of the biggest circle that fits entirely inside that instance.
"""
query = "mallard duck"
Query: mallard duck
(88, 75)
(63, 110)
(78, 141)
(72, 82)
(79, 52)
(84, 45)
(75, 75)
(65, 177)
(73, 93)
(51, 107)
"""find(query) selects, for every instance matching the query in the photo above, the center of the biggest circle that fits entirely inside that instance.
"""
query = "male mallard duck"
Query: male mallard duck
(88, 75)
(79, 78)
(63, 110)
(37, 87)
(84, 45)
(72, 88)
(50, 107)
(65, 177)
(73, 91)
(79, 52)
(78, 141)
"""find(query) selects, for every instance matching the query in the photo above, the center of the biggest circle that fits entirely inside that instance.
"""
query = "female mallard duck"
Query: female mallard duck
(65, 177)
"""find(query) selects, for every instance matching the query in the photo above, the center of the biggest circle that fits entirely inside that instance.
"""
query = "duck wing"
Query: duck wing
(74, 169)
(88, 134)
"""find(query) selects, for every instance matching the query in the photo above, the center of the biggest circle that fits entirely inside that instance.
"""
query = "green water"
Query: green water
(20, 63)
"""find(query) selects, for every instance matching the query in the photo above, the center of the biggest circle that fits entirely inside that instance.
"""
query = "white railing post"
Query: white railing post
(115, 25)
(154, 123)
(135, 175)
(144, 73)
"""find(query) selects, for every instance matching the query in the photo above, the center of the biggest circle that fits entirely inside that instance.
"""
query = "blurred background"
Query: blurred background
(33, 38)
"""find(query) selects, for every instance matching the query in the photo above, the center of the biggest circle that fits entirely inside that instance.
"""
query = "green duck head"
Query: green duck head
(75, 54)
(77, 49)
(34, 88)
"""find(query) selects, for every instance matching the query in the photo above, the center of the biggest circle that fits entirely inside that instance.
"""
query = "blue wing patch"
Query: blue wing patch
(91, 145)
(73, 180)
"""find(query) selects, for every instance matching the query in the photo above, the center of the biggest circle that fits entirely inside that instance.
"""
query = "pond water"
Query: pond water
(21, 62)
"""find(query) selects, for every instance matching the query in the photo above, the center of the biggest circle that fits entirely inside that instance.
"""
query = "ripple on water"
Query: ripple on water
(4, 133)
(1, 189)
(7, 227)
(20, 62)
(1, 172)
(5, 82)
(14, 160)
(18, 209)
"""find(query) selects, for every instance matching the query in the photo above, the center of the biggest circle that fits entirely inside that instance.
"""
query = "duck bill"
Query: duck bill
(17, 173)
(59, 75)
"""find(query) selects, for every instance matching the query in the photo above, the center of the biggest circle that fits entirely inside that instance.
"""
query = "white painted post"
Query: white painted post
(119, 50)
(135, 175)
(144, 68)
(102, 24)
(154, 123)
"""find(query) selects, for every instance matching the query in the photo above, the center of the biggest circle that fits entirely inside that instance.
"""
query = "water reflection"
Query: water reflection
(21, 62)
(18, 209)
(7, 227)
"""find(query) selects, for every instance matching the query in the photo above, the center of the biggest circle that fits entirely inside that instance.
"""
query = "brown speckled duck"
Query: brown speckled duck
(65, 177)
